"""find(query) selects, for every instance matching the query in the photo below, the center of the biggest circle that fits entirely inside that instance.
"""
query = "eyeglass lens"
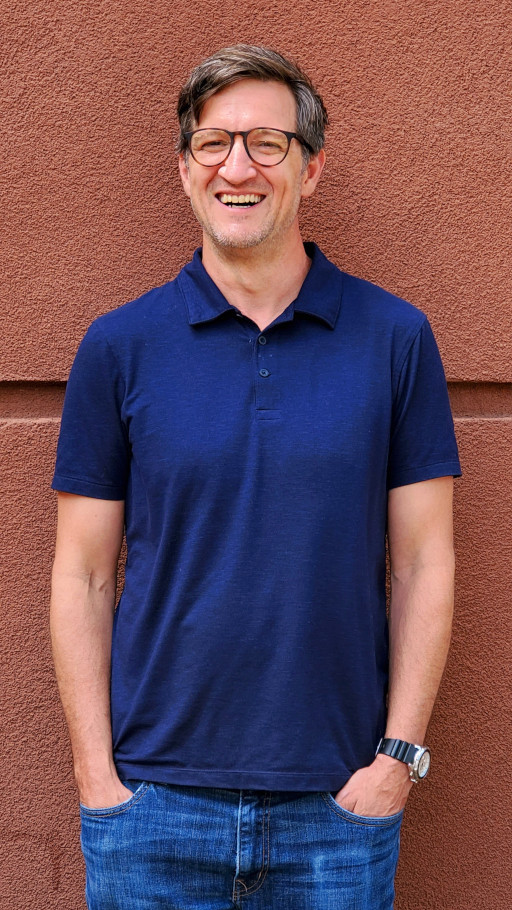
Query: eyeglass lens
(265, 146)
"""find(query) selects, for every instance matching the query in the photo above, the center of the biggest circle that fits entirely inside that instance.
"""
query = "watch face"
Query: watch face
(424, 764)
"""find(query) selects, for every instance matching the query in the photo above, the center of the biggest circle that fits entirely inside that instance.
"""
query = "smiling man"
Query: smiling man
(247, 725)
(246, 200)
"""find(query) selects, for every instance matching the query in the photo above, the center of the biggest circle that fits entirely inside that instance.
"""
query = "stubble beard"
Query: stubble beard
(224, 240)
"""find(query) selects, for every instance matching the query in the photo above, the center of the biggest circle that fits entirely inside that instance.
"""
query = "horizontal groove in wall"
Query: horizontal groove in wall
(22, 400)
(31, 399)
(481, 399)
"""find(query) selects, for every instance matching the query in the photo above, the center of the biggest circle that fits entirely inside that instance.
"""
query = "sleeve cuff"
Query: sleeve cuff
(87, 488)
(403, 476)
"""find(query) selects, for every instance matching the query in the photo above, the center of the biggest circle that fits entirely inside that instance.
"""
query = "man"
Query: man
(258, 425)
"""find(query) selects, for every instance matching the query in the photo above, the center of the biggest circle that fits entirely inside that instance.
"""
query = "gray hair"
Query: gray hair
(246, 61)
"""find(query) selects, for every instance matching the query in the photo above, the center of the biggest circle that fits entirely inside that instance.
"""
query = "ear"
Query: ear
(312, 173)
(184, 173)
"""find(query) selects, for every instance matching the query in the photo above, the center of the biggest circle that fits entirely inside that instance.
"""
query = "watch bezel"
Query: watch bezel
(414, 767)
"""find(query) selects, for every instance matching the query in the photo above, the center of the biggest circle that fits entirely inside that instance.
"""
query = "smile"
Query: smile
(246, 201)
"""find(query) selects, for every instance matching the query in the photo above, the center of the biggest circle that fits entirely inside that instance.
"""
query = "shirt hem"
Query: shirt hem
(236, 780)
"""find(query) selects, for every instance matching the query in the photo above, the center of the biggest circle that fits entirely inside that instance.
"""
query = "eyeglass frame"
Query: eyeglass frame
(244, 133)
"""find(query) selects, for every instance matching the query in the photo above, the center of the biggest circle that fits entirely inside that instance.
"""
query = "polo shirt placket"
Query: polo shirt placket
(266, 379)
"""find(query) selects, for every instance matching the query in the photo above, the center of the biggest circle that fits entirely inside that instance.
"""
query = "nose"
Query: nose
(237, 167)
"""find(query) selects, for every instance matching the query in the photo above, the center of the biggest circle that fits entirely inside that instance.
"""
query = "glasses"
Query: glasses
(268, 147)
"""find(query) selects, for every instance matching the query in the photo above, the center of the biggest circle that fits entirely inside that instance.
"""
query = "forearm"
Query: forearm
(420, 618)
(81, 626)
(420, 621)
(420, 625)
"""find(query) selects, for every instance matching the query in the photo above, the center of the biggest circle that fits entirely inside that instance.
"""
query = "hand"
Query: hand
(378, 790)
(101, 793)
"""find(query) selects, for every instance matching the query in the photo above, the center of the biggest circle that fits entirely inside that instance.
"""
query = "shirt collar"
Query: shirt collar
(319, 296)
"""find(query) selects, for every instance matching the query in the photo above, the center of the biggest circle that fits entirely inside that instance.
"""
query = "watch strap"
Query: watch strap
(399, 749)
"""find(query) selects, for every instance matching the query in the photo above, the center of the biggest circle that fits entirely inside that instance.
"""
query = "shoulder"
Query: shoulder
(364, 300)
(138, 317)
(378, 318)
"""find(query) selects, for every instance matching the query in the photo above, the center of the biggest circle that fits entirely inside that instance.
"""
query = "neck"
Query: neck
(258, 281)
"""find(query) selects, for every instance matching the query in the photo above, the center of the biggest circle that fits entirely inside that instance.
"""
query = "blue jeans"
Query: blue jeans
(198, 848)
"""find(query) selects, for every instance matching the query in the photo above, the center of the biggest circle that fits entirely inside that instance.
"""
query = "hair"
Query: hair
(246, 61)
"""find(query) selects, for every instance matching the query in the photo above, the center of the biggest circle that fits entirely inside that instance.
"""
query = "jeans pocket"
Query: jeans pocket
(367, 821)
(137, 795)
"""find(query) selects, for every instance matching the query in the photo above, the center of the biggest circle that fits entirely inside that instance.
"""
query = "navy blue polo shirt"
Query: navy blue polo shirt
(250, 642)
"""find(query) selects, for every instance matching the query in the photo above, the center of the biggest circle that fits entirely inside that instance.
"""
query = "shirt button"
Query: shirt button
(264, 372)
(262, 339)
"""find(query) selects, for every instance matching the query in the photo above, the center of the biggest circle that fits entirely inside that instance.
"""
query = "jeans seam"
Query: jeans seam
(265, 853)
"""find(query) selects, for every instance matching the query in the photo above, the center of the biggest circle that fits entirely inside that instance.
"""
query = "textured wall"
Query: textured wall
(416, 197)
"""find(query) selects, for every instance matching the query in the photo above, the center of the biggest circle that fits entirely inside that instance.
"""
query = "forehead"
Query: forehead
(248, 103)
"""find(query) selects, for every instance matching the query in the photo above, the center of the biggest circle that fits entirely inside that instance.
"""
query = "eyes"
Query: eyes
(213, 145)
(263, 145)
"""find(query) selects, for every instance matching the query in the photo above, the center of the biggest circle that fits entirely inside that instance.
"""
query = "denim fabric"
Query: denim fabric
(198, 848)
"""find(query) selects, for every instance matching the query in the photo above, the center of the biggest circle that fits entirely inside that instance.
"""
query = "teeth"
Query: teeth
(227, 198)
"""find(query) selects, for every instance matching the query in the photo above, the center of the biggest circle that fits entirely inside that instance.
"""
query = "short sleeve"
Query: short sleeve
(93, 447)
(423, 444)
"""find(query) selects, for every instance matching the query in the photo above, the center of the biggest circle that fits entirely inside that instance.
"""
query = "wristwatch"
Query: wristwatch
(416, 757)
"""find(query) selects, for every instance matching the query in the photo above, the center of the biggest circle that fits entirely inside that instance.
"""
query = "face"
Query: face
(278, 190)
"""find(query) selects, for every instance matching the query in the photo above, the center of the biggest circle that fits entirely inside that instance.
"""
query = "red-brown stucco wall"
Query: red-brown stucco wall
(416, 197)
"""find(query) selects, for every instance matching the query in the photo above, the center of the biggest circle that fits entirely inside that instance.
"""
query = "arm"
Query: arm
(420, 617)
(89, 536)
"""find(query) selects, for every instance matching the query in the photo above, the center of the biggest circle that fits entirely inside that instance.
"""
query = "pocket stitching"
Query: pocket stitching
(384, 821)
(116, 810)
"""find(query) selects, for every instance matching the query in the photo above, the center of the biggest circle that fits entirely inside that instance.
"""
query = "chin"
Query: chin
(240, 237)
(236, 241)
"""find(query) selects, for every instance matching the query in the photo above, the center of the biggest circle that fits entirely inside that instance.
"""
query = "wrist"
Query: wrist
(410, 733)
(99, 789)
(95, 773)
(414, 757)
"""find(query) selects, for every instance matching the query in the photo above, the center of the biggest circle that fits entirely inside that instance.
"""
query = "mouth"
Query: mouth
(246, 201)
